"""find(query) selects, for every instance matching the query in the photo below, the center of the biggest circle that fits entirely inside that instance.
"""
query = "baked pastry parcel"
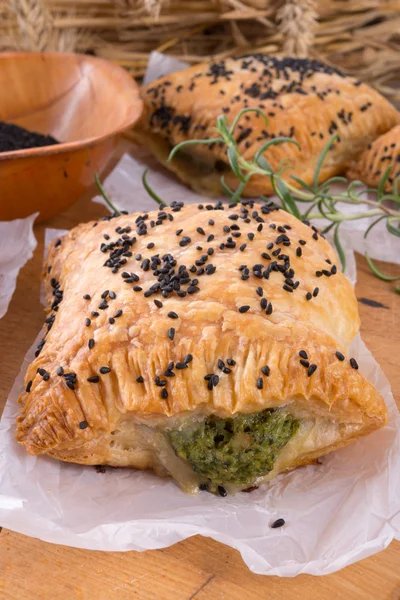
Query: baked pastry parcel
(208, 342)
(303, 99)
(371, 166)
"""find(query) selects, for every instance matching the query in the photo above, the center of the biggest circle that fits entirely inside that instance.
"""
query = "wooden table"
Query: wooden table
(197, 567)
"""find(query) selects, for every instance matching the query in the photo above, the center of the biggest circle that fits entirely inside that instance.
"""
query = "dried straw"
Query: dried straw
(361, 36)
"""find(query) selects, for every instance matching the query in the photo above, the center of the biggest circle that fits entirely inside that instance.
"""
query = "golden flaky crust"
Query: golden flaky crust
(376, 158)
(72, 418)
(305, 100)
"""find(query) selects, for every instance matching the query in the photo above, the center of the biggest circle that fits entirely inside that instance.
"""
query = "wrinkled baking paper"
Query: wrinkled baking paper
(17, 243)
(336, 513)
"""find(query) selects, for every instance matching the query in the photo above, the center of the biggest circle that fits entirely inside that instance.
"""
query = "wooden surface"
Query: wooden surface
(197, 568)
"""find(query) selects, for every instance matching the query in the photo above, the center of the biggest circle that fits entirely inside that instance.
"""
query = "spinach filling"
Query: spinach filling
(234, 451)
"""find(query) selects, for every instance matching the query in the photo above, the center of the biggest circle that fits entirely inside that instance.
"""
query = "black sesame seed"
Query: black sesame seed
(244, 309)
(308, 296)
(104, 370)
(112, 295)
(278, 523)
(88, 322)
(305, 363)
(164, 394)
(158, 303)
(103, 305)
(188, 358)
(250, 236)
(269, 309)
(353, 363)
(339, 355)
(185, 241)
(28, 386)
(266, 370)
(260, 383)
(86, 297)
(315, 292)
(259, 291)
(60, 371)
(222, 491)
(303, 354)
(263, 303)
(91, 343)
(172, 315)
(93, 379)
(299, 251)
(83, 425)
(140, 379)
(312, 368)
(70, 384)
(231, 362)
(200, 230)
(171, 333)
(137, 288)
(150, 245)
(181, 365)
(105, 294)
(111, 320)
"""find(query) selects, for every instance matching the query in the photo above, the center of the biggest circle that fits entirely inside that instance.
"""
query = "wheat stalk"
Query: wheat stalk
(297, 19)
(151, 7)
(35, 24)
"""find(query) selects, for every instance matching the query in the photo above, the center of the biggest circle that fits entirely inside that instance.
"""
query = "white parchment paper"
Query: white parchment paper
(17, 243)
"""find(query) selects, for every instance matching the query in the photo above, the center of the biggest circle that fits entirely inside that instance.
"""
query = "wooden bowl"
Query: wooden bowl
(84, 102)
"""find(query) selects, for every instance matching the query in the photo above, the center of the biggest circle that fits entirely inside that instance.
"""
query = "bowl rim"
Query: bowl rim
(63, 147)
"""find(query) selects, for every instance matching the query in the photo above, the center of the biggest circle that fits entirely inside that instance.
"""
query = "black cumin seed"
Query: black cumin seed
(86, 297)
(83, 425)
(93, 379)
(287, 288)
(353, 363)
(105, 293)
(250, 236)
(111, 320)
(215, 380)
(158, 303)
(339, 355)
(137, 288)
(188, 358)
(161, 382)
(305, 363)
(220, 364)
(104, 370)
(312, 368)
(269, 309)
(118, 314)
(150, 245)
(278, 523)
(181, 365)
(185, 241)
(334, 270)
(200, 230)
(242, 247)
(60, 371)
(259, 291)
(222, 491)
(266, 370)
(164, 394)
(171, 333)
(231, 362)
(140, 379)
(303, 354)
(308, 296)
(263, 303)
(88, 322)
(260, 383)
(28, 386)
(172, 315)
(244, 309)
(91, 343)
(315, 292)
(299, 251)
(302, 242)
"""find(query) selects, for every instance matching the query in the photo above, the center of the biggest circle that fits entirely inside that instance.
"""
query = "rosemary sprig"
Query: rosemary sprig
(106, 198)
(321, 201)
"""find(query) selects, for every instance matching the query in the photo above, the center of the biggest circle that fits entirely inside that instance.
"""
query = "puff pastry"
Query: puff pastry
(163, 325)
(303, 99)
(376, 158)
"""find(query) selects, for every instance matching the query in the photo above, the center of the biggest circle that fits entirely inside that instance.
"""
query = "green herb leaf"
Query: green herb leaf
(383, 181)
(321, 159)
(373, 225)
(232, 157)
(379, 273)
(150, 191)
(390, 228)
(339, 247)
(225, 187)
(106, 198)
(283, 193)
(179, 147)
